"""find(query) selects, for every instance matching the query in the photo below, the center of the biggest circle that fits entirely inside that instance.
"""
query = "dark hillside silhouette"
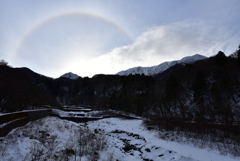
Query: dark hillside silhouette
(18, 92)
(207, 90)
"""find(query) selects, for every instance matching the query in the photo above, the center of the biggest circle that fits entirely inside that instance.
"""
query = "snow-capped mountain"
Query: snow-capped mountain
(70, 75)
(161, 67)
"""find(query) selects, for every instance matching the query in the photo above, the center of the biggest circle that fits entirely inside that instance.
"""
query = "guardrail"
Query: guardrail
(11, 121)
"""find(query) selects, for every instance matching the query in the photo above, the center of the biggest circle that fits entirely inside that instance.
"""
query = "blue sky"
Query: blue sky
(90, 37)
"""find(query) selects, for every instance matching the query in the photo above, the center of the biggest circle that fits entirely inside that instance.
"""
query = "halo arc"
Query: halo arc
(42, 23)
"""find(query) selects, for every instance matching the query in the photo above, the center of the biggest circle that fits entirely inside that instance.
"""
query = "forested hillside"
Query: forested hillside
(19, 92)
(207, 90)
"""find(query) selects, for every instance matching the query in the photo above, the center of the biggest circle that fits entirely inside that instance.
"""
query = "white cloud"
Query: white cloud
(165, 43)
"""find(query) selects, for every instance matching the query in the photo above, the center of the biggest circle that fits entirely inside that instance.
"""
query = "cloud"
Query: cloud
(152, 47)
(170, 42)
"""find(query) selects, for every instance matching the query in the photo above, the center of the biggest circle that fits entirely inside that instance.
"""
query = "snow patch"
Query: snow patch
(127, 140)
(161, 67)
(70, 75)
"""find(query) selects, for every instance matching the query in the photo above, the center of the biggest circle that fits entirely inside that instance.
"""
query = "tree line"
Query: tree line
(205, 91)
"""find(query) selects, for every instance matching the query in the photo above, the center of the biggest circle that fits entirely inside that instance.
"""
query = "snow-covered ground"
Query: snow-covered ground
(88, 113)
(127, 140)
(68, 113)
(82, 114)
(151, 147)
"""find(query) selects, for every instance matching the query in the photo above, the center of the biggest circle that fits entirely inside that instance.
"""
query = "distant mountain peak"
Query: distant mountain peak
(192, 59)
(161, 67)
(70, 75)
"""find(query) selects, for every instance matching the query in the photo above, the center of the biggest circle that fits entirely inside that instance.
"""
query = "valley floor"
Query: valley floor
(127, 140)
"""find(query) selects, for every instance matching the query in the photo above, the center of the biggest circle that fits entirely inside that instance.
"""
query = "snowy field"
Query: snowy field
(114, 139)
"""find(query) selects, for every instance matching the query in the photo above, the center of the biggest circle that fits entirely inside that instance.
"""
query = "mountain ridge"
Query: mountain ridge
(32, 74)
(161, 67)
(69, 75)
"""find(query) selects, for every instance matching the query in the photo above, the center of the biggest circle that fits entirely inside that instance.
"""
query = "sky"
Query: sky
(89, 37)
